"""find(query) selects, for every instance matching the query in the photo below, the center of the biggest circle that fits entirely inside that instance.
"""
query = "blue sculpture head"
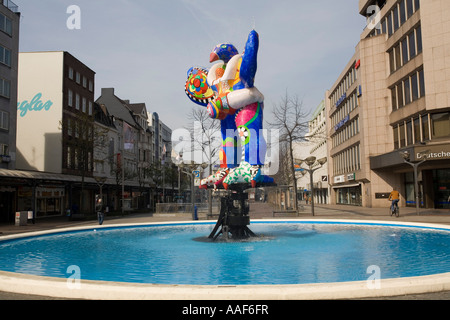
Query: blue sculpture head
(224, 52)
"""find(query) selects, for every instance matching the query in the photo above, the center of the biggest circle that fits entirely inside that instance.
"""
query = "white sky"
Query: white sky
(143, 48)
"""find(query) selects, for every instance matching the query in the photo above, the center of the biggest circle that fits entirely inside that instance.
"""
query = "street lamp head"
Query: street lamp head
(310, 161)
(322, 161)
(204, 166)
(405, 155)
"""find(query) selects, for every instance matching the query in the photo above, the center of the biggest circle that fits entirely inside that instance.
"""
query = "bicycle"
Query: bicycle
(396, 210)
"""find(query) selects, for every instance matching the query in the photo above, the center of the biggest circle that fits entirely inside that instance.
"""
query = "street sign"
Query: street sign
(197, 182)
(196, 174)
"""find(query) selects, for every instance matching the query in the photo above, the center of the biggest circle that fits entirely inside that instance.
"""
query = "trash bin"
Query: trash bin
(21, 218)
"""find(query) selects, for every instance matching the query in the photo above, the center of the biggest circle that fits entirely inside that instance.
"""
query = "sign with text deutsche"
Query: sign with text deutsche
(437, 152)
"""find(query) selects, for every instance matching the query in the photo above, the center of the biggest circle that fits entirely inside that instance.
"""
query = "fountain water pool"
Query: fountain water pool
(292, 252)
(286, 253)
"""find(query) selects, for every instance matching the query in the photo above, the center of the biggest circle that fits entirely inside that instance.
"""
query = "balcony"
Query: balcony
(10, 5)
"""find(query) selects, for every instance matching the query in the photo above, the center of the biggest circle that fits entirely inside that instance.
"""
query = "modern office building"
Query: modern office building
(9, 50)
(393, 96)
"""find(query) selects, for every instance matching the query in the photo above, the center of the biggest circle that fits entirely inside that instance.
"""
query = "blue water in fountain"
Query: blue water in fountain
(287, 253)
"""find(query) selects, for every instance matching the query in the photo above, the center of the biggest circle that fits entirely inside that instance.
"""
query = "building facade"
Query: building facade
(9, 50)
(315, 146)
(393, 96)
(55, 132)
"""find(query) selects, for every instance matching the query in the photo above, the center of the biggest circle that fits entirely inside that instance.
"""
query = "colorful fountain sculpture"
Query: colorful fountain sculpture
(227, 91)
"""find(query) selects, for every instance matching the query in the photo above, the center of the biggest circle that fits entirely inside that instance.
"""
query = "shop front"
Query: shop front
(433, 175)
(347, 190)
(49, 201)
(349, 195)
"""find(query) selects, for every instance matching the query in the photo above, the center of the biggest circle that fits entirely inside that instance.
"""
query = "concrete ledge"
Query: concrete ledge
(101, 290)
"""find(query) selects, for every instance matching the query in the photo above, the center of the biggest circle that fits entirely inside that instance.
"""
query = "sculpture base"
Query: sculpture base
(233, 219)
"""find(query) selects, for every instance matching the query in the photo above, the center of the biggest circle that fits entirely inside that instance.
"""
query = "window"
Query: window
(4, 120)
(440, 125)
(5, 24)
(389, 22)
(419, 39)
(69, 157)
(417, 130)
(405, 50)
(76, 129)
(90, 108)
(5, 56)
(5, 88)
(425, 128)
(407, 91)
(409, 8)
(398, 60)
(91, 85)
(70, 98)
(396, 138)
(394, 98)
(84, 82)
(392, 60)
(400, 96)
(412, 45)
(421, 83)
(76, 162)
(77, 101)
(78, 77)
(402, 135)
(416, 5)
(395, 18)
(409, 133)
(4, 149)
(414, 87)
(69, 127)
(70, 73)
(402, 12)
(84, 105)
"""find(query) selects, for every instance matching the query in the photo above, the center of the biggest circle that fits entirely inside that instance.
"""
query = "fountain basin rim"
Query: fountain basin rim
(381, 223)
(106, 290)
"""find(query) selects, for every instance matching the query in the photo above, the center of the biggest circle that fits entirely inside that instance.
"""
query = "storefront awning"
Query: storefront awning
(347, 186)
(34, 175)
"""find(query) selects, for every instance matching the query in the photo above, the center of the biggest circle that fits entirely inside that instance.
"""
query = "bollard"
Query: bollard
(195, 213)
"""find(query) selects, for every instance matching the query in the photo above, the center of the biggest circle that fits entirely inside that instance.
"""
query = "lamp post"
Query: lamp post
(311, 162)
(407, 159)
(191, 167)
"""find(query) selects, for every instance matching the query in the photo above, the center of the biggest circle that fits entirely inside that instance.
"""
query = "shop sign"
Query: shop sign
(351, 177)
(437, 152)
(341, 99)
(50, 192)
(36, 104)
(342, 123)
(339, 179)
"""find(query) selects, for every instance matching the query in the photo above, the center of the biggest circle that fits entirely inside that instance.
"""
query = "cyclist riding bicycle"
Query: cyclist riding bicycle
(395, 198)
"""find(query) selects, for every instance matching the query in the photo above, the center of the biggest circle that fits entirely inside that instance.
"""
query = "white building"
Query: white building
(315, 146)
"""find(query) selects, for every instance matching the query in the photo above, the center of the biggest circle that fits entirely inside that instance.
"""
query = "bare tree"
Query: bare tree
(291, 119)
(205, 133)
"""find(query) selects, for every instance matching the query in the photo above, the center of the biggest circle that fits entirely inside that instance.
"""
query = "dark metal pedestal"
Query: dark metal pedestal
(233, 220)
